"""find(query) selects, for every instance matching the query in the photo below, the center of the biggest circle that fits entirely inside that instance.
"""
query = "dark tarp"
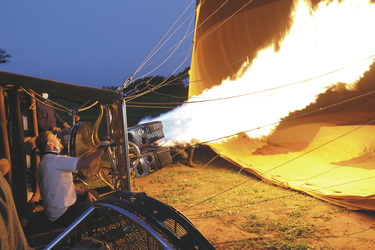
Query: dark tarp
(68, 91)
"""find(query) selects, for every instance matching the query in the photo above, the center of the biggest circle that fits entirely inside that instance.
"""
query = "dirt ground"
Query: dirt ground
(338, 228)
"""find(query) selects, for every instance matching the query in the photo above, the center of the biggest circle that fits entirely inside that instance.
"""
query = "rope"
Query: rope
(152, 53)
(42, 102)
(154, 107)
(176, 46)
(32, 94)
(186, 35)
(82, 106)
(216, 156)
(224, 20)
(273, 199)
(182, 39)
(299, 237)
(256, 92)
(154, 88)
(239, 60)
(287, 119)
(94, 135)
(158, 46)
(162, 84)
(167, 95)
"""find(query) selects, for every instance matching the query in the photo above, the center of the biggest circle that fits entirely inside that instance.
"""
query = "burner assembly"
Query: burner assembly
(152, 157)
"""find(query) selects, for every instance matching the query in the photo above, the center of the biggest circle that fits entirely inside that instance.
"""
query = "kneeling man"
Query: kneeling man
(62, 200)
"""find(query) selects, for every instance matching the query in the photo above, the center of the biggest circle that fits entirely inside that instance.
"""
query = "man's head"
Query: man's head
(48, 142)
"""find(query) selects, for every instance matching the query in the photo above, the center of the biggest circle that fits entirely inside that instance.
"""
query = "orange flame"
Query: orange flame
(329, 45)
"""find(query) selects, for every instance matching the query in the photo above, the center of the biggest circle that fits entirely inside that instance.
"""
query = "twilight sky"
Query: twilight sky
(95, 42)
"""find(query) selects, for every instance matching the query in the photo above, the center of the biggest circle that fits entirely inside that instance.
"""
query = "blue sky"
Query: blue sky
(91, 42)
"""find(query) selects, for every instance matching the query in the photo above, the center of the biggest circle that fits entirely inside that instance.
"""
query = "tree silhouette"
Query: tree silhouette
(4, 56)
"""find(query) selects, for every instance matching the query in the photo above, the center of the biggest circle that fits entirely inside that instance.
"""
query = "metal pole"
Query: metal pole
(126, 149)
(66, 232)
(36, 196)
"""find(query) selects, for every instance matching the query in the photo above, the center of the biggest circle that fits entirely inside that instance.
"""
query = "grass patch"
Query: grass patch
(270, 244)
(272, 217)
(176, 196)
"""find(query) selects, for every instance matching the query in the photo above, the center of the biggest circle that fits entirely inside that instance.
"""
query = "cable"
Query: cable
(171, 96)
(155, 49)
(248, 213)
(64, 109)
(219, 25)
(256, 92)
(154, 107)
(128, 80)
(224, 20)
(184, 37)
(198, 80)
(299, 237)
(287, 119)
(158, 46)
(175, 49)
(216, 156)
(271, 199)
(282, 164)
(89, 107)
(290, 118)
(165, 82)
(151, 54)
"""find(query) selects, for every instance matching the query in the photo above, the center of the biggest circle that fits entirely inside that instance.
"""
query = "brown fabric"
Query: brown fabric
(12, 235)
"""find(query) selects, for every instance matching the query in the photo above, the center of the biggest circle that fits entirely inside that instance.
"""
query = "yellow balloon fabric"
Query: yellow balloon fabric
(330, 154)
(227, 36)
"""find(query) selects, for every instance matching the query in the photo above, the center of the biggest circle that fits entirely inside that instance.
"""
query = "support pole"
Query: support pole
(127, 163)
(36, 196)
(18, 155)
(4, 147)
(120, 133)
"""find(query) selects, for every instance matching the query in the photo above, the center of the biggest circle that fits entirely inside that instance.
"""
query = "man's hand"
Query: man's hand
(66, 126)
(105, 145)
(90, 197)
(56, 129)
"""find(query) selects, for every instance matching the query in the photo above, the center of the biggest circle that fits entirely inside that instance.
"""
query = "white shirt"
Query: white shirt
(56, 185)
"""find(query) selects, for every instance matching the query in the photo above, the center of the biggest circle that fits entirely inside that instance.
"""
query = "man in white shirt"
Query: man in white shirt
(62, 200)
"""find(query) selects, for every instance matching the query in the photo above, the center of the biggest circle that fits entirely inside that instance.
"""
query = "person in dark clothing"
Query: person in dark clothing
(47, 117)
(184, 154)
